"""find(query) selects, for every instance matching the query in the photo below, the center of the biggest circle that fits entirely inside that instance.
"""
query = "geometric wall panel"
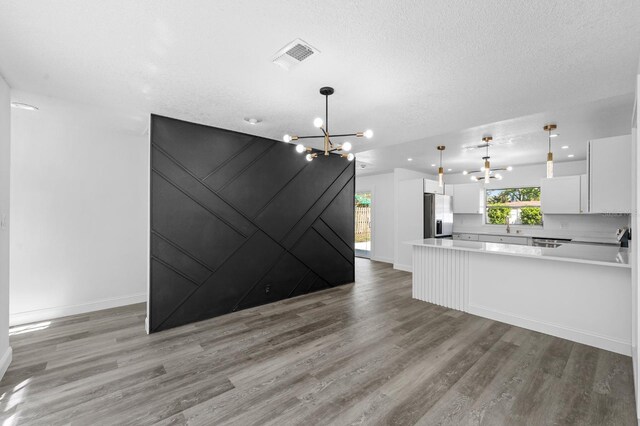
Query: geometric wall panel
(239, 221)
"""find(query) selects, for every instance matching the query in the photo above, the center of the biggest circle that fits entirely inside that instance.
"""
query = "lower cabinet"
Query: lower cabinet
(504, 239)
(466, 237)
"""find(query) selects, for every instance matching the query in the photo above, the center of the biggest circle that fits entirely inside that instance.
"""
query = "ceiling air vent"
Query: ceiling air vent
(294, 53)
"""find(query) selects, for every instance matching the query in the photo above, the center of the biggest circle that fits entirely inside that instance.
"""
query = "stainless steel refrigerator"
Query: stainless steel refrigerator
(438, 216)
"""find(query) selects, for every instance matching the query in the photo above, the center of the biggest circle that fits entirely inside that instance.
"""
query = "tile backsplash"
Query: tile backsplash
(599, 227)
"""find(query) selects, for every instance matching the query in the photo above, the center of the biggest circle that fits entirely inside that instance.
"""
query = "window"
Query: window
(521, 206)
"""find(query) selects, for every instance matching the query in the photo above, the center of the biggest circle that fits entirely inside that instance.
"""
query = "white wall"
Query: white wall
(5, 157)
(79, 203)
(408, 216)
(388, 225)
(382, 194)
(635, 266)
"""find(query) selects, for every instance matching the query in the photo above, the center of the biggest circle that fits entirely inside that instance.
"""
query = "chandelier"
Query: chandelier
(487, 173)
(329, 147)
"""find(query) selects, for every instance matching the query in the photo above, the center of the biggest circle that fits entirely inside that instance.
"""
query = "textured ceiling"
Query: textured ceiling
(516, 141)
(409, 70)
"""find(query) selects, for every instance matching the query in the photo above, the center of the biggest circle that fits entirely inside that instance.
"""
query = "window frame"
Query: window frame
(487, 207)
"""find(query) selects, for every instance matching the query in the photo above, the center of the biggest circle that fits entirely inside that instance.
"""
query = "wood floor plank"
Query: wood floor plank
(364, 353)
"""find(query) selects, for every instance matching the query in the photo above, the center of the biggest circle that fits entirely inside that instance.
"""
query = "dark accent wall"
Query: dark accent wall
(239, 221)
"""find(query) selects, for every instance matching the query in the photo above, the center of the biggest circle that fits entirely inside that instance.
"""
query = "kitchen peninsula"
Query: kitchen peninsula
(574, 291)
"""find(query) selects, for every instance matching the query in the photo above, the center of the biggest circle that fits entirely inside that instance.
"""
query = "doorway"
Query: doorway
(363, 224)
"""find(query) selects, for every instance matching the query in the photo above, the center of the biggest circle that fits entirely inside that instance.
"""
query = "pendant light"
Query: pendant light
(441, 169)
(548, 128)
(487, 166)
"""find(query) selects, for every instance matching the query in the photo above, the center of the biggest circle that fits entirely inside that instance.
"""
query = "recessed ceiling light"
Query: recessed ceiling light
(565, 147)
(433, 165)
(464, 172)
(253, 121)
(449, 170)
(20, 105)
(554, 135)
(409, 159)
(570, 155)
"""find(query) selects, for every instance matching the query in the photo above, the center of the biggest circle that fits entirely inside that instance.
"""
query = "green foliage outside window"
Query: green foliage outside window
(531, 216)
(363, 200)
(498, 215)
(520, 206)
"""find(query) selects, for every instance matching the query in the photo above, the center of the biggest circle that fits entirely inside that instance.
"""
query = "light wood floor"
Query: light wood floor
(359, 354)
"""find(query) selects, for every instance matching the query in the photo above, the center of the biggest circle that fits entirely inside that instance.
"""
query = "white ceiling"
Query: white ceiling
(408, 69)
(517, 141)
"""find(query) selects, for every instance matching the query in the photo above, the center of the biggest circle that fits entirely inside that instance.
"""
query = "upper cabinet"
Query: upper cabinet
(609, 175)
(561, 195)
(432, 187)
(468, 198)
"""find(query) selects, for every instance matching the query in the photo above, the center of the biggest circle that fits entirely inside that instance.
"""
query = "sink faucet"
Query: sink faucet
(508, 226)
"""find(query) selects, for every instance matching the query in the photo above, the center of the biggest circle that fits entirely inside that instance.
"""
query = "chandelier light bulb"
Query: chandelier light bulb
(286, 138)
(346, 146)
(300, 148)
(368, 134)
(464, 172)
(509, 168)
(318, 122)
(498, 176)
(350, 157)
(309, 157)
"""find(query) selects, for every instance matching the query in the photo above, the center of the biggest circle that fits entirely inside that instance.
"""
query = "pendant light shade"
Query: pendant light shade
(487, 165)
(548, 128)
(487, 171)
(441, 169)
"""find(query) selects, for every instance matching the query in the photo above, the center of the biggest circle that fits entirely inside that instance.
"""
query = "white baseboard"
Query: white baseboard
(401, 267)
(19, 318)
(580, 336)
(5, 360)
(382, 259)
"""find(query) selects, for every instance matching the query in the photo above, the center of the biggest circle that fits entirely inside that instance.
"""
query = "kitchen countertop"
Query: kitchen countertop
(579, 253)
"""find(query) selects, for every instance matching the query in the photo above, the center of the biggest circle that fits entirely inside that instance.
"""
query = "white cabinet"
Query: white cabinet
(432, 187)
(584, 193)
(506, 239)
(609, 169)
(468, 198)
(465, 237)
(449, 189)
(561, 195)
